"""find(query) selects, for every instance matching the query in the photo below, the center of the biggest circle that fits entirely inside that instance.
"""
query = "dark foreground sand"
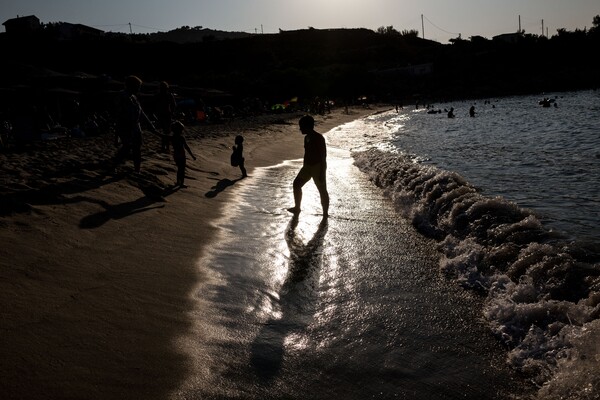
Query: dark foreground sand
(96, 270)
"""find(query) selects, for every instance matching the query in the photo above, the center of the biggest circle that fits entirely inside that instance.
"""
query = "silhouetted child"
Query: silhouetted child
(180, 146)
(237, 157)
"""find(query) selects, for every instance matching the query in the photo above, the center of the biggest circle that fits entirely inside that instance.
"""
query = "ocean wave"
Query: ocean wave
(542, 292)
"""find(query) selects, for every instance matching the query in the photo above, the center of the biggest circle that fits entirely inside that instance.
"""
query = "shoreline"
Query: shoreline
(97, 270)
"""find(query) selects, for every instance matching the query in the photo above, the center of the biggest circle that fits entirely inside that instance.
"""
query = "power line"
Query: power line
(102, 26)
(147, 27)
(128, 25)
(443, 30)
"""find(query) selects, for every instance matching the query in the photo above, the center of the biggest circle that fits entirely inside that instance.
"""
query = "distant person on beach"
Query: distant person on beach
(472, 111)
(128, 127)
(165, 110)
(315, 165)
(237, 157)
(451, 112)
(180, 146)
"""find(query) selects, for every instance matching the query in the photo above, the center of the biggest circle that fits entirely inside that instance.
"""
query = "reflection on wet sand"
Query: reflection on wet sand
(297, 299)
(349, 307)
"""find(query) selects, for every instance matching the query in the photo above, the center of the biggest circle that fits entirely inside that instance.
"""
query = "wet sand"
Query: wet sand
(352, 306)
(97, 270)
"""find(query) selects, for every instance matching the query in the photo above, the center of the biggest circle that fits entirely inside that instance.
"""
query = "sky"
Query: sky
(438, 20)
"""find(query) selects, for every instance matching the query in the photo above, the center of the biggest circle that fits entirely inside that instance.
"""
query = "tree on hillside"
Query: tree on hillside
(389, 30)
(595, 24)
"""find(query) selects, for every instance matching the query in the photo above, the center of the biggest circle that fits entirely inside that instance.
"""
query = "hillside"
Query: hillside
(336, 63)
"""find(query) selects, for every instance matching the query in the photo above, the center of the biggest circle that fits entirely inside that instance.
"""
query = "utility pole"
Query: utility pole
(261, 29)
(542, 27)
(130, 31)
(519, 24)
(422, 26)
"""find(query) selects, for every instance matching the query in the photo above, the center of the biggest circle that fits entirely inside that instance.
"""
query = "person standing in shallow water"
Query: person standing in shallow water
(180, 146)
(314, 166)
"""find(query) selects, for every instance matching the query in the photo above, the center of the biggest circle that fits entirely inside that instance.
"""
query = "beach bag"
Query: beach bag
(235, 159)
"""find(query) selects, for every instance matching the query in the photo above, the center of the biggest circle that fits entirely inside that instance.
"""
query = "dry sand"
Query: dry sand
(96, 270)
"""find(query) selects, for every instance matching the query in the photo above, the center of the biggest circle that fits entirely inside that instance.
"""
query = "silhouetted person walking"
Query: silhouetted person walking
(315, 165)
(129, 119)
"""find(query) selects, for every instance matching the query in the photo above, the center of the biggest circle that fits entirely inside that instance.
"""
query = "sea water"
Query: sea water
(351, 307)
(513, 197)
(448, 268)
(546, 159)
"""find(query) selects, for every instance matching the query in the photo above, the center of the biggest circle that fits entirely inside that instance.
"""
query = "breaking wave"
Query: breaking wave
(542, 291)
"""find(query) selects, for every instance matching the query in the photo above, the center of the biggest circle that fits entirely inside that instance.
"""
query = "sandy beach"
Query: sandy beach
(97, 268)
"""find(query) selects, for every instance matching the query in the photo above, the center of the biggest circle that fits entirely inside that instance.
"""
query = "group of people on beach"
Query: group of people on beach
(129, 128)
(131, 116)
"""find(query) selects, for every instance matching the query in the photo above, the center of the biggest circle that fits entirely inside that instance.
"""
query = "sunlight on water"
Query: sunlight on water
(355, 304)
(266, 305)
(296, 342)
(511, 196)
(542, 158)
(286, 301)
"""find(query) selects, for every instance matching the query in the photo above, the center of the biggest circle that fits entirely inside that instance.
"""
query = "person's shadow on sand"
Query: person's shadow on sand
(117, 211)
(297, 299)
(153, 192)
(220, 186)
(54, 194)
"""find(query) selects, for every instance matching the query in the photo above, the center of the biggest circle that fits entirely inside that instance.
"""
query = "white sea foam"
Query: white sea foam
(543, 293)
